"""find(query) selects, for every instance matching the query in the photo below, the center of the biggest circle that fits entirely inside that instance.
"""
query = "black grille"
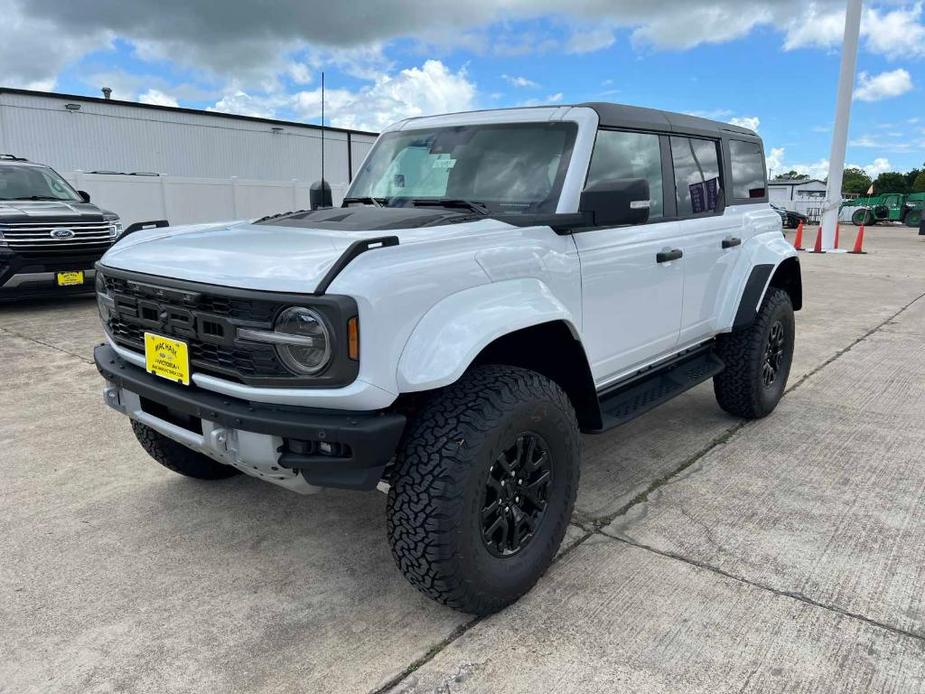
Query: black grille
(207, 323)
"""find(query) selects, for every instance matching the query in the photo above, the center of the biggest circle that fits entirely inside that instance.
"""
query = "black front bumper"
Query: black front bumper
(370, 437)
(27, 272)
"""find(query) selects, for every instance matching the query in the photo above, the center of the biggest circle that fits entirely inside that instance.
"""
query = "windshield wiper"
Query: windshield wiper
(36, 197)
(472, 205)
(366, 200)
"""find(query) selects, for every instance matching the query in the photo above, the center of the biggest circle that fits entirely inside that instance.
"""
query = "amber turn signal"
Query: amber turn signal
(353, 338)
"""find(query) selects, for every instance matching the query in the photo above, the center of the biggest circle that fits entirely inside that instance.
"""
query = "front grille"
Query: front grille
(206, 322)
(36, 238)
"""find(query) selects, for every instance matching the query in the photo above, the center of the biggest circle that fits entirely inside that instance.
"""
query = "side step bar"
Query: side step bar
(642, 393)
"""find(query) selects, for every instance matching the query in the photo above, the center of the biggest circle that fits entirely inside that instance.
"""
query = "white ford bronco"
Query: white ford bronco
(493, 284)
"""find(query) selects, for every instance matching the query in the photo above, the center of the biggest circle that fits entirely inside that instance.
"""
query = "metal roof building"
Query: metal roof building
(83, 133)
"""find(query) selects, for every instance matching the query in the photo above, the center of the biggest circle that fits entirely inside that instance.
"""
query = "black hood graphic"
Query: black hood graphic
(369, 218)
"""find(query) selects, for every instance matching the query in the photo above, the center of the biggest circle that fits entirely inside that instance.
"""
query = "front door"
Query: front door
(631, 302)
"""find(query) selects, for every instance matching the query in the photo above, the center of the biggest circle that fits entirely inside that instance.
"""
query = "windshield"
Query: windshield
(33, 183)
(506, 167)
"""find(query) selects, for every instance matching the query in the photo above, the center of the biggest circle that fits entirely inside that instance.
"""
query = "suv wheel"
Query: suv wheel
(178, 457)
(757, 359)
(483, 488)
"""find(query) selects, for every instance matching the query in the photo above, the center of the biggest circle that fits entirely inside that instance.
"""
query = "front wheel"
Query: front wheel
(913, 218)
(483, 488)
(757, 359)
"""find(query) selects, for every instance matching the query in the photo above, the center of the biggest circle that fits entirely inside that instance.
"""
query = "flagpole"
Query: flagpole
(849, 57)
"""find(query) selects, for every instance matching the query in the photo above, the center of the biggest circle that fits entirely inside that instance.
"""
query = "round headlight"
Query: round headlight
(309, 349)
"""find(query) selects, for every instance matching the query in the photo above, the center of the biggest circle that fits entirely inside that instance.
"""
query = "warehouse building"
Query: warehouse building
(806, 196)
(185, 165)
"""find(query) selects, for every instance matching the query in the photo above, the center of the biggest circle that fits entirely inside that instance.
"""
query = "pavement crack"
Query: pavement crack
(643, 496)
(37, 341)
(463, 628)
(793, 595)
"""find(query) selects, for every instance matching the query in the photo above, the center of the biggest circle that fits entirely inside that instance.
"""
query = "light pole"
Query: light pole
(849, 59)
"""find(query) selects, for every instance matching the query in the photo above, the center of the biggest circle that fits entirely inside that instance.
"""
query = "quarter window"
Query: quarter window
(748, 175)
(619, 155)
(696, 175)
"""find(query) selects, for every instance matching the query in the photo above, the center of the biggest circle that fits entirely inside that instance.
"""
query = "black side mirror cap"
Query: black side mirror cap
(617, 202)
(84, 195)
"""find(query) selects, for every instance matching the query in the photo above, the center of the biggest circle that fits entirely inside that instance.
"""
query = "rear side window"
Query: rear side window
(696, 175)
(619, 155)
(748, 175)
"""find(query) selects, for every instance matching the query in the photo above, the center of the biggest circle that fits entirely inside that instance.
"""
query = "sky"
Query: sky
(771, 65)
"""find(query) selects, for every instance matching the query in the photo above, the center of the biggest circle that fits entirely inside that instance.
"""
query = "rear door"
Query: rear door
(710, 238)
(631, 303)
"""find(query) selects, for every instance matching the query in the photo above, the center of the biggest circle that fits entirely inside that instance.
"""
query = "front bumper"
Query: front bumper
(35, 277)
(297, 447)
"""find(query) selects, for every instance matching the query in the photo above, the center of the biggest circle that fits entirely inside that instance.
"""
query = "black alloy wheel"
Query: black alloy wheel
(773, 354)
(516, 492)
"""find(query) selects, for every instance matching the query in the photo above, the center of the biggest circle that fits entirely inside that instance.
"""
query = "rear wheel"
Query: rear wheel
(757, 359)
(179, 458)
(484, 487)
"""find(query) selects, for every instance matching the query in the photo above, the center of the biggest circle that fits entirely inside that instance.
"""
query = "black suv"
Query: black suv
(50, 234)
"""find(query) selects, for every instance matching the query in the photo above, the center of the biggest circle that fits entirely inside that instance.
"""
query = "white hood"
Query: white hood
(239, 254)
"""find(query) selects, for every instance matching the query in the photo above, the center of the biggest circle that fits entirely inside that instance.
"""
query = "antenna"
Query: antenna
(322, 133)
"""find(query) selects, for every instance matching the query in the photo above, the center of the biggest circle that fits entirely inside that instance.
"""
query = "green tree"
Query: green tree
(911, 175)
(918, 185)
(855, 181)
(791, 176)
(890, 182)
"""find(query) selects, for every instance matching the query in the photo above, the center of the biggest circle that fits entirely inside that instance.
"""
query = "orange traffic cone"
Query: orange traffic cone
(859, 243)
(798, 239)
(837, 228)
(817, 248)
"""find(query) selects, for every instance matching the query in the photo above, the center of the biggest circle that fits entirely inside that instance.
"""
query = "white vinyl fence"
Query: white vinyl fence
(184, 200)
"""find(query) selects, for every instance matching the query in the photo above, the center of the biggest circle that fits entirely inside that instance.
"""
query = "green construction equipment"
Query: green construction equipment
(887, 207)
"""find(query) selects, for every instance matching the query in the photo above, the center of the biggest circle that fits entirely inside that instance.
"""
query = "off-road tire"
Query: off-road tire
(739, 388)
(862, 217)
(435, 503)
(913, 218)
(179, 458)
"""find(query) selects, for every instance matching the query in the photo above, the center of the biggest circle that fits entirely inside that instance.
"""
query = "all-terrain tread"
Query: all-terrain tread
(738, 387)
(428, 484)
(179, 458)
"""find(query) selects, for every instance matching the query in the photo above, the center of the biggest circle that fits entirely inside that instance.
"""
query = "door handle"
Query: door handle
(731, 241)
(666, 256)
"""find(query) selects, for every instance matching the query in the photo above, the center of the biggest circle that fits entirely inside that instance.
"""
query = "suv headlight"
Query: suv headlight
(301, 337)
(104, 301)
(115, 229)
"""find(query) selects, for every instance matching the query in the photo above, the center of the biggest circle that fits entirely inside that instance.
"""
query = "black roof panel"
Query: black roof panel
(636, 117)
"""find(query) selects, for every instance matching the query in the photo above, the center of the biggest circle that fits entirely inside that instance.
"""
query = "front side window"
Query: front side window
(509, 168)
(748, 174)
(33, 183)
(696, 175)
(619, 155)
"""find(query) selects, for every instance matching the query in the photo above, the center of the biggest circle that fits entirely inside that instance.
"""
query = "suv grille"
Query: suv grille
(207, 322)
(43, 238)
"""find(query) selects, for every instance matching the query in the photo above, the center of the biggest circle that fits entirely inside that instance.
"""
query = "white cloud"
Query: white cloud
(820, 169)
(299, 73)
(750, 122)
(775, 160)
(554, 98)
(883, 86)
(877, 167)
(158, 98)
(895, 34)
(590, 40)
(417, 91)
(519, 81)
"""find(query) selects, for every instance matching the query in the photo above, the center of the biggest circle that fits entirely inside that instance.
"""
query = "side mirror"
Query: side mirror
(319, 195)
(84, 195)
(612, 203)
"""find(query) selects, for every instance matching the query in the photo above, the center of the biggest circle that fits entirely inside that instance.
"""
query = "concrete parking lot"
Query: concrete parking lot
(706, 554)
